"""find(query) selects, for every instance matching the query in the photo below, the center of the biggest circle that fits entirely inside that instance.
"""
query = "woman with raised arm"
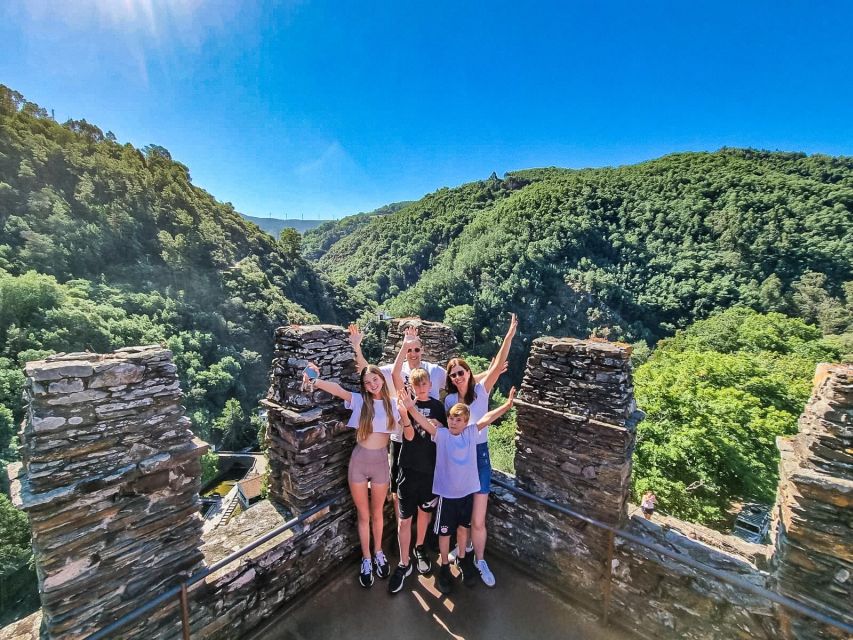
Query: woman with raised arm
(375, 416)
(464, 387)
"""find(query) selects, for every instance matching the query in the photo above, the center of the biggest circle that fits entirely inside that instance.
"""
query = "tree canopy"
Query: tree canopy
(716, 397)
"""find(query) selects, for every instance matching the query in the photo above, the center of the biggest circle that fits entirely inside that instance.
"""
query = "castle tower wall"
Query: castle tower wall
(109, 482)
(813, 517)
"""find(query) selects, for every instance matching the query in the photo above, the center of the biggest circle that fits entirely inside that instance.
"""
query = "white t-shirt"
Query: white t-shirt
(380, 419)
(478, 408)
(437, 377)
(456, 473)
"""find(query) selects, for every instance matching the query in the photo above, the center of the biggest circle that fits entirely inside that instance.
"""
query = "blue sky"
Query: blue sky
(330, 108)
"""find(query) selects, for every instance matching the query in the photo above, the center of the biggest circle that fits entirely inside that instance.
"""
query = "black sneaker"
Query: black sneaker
(365, 578)
(445, 579)
(381, 565)
(467, 569)
(395, 584)
(423, 561)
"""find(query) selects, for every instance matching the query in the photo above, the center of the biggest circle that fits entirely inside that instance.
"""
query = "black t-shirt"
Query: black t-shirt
(418, 454)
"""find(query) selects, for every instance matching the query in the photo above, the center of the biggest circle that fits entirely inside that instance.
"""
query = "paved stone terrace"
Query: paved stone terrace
(516, 609)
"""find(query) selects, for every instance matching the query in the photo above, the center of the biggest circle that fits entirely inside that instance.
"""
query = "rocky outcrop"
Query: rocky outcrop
(438, 340)
(813, 518)
(109, 481)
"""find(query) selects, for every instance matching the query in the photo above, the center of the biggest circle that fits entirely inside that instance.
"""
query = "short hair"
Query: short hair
(459, 409)
(419, 376)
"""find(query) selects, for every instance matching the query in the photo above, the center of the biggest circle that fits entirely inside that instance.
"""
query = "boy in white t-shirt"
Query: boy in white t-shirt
(456, 480)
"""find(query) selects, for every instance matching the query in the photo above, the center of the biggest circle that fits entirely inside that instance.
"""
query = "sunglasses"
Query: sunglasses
(415, 349)
(458, 374)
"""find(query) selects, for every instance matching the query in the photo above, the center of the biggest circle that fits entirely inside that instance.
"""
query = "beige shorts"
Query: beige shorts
(369, 464)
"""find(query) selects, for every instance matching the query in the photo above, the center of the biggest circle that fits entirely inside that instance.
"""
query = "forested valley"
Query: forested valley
(730, 273)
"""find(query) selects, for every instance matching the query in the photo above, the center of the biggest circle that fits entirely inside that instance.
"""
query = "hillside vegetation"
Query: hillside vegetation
(103, 245)
(316, 242)
(631, 253)
(716, 397)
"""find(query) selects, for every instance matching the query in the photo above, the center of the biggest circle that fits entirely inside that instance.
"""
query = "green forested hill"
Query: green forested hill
(103, 244)
(316, 242)
(634, 252)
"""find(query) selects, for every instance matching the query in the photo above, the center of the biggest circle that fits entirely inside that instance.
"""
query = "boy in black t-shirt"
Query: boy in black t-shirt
(414, 480)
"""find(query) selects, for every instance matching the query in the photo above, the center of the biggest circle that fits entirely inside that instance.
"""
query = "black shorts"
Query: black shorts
(414, 490)
(395, 465)
(452, 513)
(648, 511)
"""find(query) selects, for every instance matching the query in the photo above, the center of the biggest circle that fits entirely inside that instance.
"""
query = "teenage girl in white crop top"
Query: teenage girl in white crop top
(376, 416)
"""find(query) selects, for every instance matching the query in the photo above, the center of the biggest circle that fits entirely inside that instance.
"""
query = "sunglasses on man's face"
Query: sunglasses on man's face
(415, 349)
(457, 374)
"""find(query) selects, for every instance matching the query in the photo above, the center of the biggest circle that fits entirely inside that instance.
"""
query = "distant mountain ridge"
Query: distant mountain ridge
(317, 241)
(274, 226)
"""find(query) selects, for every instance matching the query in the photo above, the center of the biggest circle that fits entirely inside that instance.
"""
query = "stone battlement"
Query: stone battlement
(110, 479)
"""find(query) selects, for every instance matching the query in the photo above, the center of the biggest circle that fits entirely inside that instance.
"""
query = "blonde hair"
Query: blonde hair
(459, 409)
(418, 376)
(365, 419)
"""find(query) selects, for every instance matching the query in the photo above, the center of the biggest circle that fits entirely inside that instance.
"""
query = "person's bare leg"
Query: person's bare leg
(444, 548)
(404, 539)
(478, 524)
(361, 499)
(461, 542)
(423, 525)
(378, 493)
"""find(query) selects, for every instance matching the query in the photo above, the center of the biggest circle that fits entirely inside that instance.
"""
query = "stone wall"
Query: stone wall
(307, 442)
(109, 482)
(438, 340)
(577, 422)
(813, 518)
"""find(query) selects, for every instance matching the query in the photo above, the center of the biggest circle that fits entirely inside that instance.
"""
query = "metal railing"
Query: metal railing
(181, 591)
(784, 601)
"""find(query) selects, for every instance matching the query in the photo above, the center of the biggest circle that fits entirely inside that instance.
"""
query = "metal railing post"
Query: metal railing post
(185, 611)
(607, 582)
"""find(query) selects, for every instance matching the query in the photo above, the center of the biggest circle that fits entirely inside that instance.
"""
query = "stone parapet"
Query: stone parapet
(109, 482)
(438, 340)
(577, 423)
(649, 594)
(307, 442)
(813, 525)
(590, 378)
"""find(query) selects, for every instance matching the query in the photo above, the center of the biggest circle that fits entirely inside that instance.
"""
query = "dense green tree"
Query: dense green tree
(461, 319)
(634, 252)
(716, 397)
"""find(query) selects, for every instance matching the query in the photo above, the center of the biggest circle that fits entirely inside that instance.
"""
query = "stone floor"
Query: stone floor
(516, 609)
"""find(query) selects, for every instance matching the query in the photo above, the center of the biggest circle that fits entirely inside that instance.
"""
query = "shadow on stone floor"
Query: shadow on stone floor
(517, 608)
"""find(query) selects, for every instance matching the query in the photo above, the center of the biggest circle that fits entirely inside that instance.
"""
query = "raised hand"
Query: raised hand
(510, 398)
(411, 331)
(513, 326)
(405, 399)
(355, 335)
(308, 383)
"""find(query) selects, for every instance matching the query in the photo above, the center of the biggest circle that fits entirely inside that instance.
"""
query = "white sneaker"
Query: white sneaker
(486, 574)
(469, 548)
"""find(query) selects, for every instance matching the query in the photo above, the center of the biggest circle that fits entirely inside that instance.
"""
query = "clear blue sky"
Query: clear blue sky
(329, 108)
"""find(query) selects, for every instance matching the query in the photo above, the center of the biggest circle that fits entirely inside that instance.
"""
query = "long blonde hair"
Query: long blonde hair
(365, 420)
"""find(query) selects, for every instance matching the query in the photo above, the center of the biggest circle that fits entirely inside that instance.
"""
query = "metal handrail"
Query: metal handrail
(181, 590)
(789, 603)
